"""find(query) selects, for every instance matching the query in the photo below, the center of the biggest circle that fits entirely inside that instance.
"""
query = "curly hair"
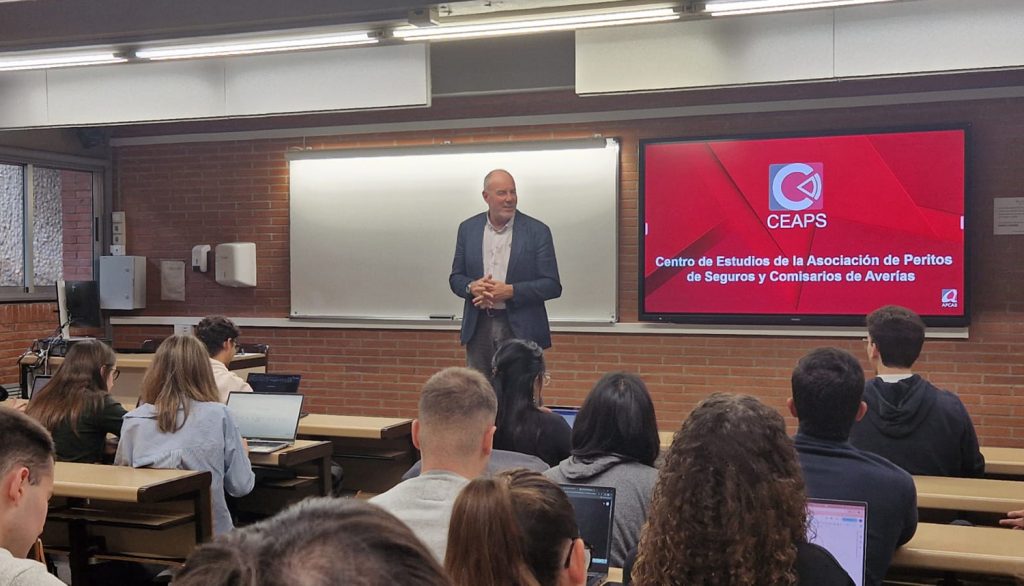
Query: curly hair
(729, 508)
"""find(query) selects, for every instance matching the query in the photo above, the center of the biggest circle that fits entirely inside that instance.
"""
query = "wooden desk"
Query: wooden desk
(980, 550)
(666, 439)
(302, 452)
(969, 494)
(374, 451)
(1003, 461)
(98, 496)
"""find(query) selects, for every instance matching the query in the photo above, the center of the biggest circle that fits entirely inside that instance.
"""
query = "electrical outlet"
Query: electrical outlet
(182, 329)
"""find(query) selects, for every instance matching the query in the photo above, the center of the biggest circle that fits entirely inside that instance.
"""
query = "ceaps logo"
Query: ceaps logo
(795, 187)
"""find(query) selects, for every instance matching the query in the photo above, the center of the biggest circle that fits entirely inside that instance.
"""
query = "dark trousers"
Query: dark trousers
(491, 330)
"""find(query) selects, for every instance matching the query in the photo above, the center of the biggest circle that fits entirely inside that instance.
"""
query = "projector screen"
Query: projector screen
(816, 230)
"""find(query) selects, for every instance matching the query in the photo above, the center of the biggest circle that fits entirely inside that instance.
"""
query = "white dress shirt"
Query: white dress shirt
(227, 381)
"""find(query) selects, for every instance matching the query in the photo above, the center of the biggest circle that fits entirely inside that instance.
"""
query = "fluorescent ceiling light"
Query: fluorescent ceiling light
(58, 60)
(258, 46)
(735, 7)
(491, 29)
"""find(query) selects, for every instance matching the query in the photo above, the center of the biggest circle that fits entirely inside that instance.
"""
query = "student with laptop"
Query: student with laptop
(267, 421)
(515, 528)
(911, 422)
(729, 506)
(76, 406)
(828, 384)
(181, 424)
(615, 443)
(220, 335)
(453, 432)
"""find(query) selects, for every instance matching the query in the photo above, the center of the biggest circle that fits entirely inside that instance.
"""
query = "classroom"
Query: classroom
(213, 151)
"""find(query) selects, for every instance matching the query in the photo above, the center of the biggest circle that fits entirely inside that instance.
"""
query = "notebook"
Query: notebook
(268, 421)
(262, 382)
(841, 528)
(567, 413)
(595, 508)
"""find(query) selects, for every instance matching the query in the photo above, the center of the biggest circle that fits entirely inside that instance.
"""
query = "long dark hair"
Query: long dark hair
(517, 366)
(729, 508)
(511, 530)
(79, 386)
(617, 418)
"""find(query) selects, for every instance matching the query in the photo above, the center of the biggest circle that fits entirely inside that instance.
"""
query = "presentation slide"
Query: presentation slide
(798, 227)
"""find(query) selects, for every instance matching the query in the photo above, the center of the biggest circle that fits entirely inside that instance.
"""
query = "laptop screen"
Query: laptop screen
(40, 381)
(262, 382)
(595, 508)
(841, 528)
(567, 413)
(266, 416)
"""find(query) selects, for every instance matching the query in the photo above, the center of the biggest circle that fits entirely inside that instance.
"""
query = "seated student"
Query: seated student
(317, 542)
(76, 406)
(182, 425)
(729, 506)
(454, 431)
(26, 484)
(910, 422)
(220, 335)
(827, 387)
(615, 443)
(515, 528)
(519, 377)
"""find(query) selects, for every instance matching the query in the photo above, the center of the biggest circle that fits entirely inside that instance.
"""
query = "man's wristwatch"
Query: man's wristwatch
(468, 285)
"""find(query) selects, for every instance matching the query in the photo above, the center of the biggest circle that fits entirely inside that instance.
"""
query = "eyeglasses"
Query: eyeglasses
(547, 378)
(587, 552)
(116, 371)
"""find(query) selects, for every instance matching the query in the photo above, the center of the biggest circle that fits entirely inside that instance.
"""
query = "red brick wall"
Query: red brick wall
(76, 215)
(20, 323)
(178, 195)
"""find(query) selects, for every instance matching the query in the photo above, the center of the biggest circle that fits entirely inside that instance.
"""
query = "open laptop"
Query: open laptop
(595, 509)
(40, 381)
(262, 382)
(267, 421)
(841, 528)
(567, 413)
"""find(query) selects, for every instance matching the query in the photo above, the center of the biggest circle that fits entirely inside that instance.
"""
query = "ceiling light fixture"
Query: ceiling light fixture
(555, 23)
(44, 61)
(736, 7)
(254, 46)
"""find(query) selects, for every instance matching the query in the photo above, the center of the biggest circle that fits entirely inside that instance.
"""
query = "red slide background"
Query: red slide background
(891, 193)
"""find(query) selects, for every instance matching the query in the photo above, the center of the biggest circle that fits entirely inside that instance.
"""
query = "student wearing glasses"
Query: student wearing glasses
(220, 335)
(76, 406)
(515, 528)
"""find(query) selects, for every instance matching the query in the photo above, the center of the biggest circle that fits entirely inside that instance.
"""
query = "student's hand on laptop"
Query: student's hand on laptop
(1014, 519)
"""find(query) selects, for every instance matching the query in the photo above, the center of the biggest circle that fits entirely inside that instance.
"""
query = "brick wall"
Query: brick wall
(76, 218)
(178, 195)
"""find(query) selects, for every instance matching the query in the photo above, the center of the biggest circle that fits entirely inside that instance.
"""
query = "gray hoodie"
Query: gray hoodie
(633, 483)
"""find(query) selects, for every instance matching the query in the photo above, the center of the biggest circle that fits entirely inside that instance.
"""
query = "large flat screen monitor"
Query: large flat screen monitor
(816, 230)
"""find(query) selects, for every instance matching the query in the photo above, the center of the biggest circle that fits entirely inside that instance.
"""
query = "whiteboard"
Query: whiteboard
(373, 230)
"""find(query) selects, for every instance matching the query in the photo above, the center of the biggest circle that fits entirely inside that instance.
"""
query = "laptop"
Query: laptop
(40, 381)
(267, 421)
(841, 528)
(567, 413)
(595, 508)
(262, 382)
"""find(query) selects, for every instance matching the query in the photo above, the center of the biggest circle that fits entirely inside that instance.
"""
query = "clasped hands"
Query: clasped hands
(486, 292)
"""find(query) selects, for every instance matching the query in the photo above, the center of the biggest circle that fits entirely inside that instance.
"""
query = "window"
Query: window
(50, 211)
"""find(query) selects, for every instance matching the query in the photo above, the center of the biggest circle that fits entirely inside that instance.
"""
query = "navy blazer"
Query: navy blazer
(532, 271)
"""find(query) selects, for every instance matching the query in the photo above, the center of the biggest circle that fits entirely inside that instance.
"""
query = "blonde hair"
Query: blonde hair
(180, 373)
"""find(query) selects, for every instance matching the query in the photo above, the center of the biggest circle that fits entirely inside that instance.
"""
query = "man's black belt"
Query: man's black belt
(491, 312)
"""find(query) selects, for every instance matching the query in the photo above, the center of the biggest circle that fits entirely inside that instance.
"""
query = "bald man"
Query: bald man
(505, 269)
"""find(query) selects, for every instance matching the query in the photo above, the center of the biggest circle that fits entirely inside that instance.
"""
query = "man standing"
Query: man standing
(454, 433)
(505, 269)
(26, 484)
(827, 387)
(220, 336)
(920, 428)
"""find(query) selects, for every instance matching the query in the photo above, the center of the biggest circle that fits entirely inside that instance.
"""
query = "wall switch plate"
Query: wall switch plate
(182, 329)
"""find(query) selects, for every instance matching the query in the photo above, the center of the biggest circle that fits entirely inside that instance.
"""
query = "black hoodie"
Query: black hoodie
(920, 428)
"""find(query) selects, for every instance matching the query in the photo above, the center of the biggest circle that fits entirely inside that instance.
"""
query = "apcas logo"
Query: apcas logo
(950, 298)
(795, 187)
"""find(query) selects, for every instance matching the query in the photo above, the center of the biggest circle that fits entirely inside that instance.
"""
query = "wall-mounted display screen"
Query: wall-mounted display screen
(803, 229)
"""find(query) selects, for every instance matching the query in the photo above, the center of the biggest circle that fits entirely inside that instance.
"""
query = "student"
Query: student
(615, 443)
(182, 425)
(515, 528)
(317, 542)
(26, 484)
(523, 426)
(910, 422)
(729, 506)
(220, 335)
(453, 432)
(827, 387)
(76, 406)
